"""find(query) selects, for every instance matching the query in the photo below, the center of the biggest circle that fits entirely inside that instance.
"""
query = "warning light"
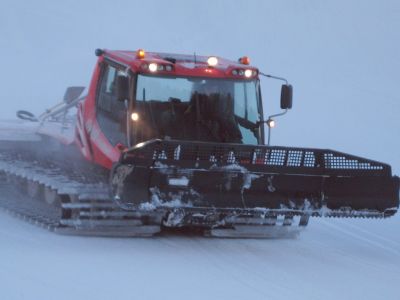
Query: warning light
(140, 53)
(245, 60)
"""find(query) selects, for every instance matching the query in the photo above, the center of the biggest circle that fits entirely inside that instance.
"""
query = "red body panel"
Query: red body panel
(88, 136)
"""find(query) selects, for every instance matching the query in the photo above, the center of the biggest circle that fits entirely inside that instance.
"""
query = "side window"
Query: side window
(107, 89)
(240, 107)
(111, 113)
(110, 81)
(245, 105)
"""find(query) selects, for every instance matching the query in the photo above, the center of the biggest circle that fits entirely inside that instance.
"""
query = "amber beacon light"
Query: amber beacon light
(140, 53)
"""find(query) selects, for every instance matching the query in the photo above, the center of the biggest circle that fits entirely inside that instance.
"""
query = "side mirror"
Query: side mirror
(122, 85)
(286, 96)
(72, 93)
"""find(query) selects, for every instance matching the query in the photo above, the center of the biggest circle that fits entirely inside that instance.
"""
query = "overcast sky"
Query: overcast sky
(342, 57)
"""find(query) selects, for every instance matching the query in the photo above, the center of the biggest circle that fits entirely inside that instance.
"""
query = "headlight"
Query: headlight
(135, 117)
(248, 73)
(152, 67)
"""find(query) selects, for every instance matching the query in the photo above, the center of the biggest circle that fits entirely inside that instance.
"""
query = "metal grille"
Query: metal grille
(274, 157)
(341, 162)
(309, 159)
(218, 154)
(294, 158)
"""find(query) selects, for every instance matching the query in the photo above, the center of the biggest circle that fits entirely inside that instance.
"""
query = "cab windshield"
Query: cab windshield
(202, 109)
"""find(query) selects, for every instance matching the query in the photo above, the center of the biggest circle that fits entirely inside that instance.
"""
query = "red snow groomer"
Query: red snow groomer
(177, 141)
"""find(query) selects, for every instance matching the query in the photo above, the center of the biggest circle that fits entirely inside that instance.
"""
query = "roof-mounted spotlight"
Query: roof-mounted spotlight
(212, 61)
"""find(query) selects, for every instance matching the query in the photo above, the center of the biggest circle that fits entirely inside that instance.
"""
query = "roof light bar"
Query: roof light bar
(248, 73)
(154, 67)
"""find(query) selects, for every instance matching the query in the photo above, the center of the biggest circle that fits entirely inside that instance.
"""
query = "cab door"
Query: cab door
(111, 113)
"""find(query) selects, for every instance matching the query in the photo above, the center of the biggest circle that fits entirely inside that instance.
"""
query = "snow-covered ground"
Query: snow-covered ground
(331, 259)
(343, 58)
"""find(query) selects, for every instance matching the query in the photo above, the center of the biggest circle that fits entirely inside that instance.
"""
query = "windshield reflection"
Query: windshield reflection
(213, 110)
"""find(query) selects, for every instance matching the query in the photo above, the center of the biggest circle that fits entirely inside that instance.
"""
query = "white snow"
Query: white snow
(343, 59)
(16, 130)
(331, 259)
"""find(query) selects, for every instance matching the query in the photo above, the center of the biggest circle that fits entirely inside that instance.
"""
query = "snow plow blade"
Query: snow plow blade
(197, 176)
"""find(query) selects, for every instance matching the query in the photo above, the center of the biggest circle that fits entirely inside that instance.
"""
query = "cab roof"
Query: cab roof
(180, 64)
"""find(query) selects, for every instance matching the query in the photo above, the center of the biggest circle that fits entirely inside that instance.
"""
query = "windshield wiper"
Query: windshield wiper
(246, 123)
